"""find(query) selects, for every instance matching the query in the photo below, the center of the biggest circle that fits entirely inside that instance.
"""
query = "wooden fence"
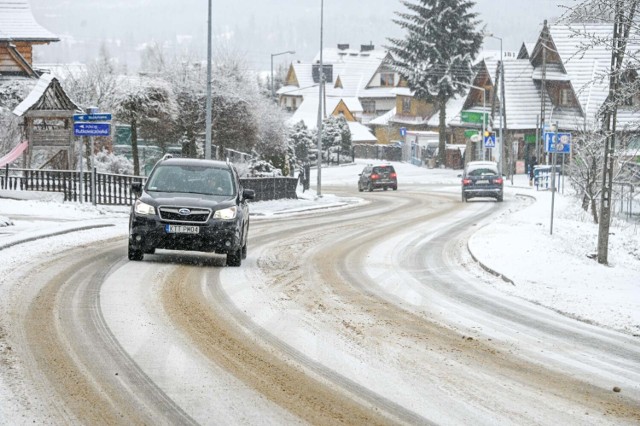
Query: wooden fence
(113, 189)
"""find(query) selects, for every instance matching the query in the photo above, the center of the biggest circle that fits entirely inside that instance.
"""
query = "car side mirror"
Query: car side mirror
(248, 194)
(136, 188)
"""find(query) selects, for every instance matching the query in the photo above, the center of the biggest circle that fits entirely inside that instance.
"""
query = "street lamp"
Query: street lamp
(483, 110)
(320, 87)
(291, 52)
(209, 124)
(501, 163)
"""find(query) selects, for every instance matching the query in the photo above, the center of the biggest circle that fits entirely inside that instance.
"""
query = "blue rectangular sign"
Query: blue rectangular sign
(557, 143)
(92, 117)
(91, 129)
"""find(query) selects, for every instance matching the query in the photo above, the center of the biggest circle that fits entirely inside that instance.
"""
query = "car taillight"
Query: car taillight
(393, 175)
(466, 181)
(375, 176)
(498, 181)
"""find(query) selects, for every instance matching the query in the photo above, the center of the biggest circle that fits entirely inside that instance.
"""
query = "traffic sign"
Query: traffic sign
(92, 117)
(557, 143)
(490, 141)
(403, 131)
(91, 129)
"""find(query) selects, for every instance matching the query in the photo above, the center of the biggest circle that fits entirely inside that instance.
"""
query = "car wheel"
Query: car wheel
(244, 251)
(384, 188)
(499, 199)
(234, 258)
(360, 187)
(464, 198)
(135, 254)
(370, 188)
(395, 188)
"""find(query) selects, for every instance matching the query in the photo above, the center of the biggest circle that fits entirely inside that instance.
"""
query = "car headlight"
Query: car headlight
(228, 213)
(144, 208)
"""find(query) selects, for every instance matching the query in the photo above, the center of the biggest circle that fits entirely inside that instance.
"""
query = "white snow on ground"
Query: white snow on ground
(554, 270)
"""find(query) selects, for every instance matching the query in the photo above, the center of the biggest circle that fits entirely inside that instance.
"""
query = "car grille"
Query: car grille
(196, 215)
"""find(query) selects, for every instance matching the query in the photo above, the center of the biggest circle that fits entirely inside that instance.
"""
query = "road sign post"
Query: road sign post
(91, 124)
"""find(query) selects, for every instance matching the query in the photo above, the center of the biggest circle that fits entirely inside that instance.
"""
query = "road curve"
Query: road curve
(368, 315)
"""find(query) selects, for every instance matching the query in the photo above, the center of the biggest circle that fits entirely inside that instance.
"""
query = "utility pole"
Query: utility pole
(209, 125)
(320, 85)
(621, 28)
(543, 88)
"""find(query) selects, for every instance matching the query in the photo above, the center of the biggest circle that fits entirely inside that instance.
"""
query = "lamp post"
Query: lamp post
(207, 144)
(501, 163)
(291, 52)
(483, 110)
(554, 155)
(320, 85)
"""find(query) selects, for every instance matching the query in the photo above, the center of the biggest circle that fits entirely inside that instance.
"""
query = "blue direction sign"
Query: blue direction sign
(403, 131)
(92, 117)
(557, 143)
(91, 129)
(490, 141)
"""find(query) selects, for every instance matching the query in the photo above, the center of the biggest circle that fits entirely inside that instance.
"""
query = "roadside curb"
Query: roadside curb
(53, 234)
(489, 270)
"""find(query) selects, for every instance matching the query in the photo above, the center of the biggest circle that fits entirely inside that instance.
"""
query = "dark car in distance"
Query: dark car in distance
(190, 204)
(378, 176)
(482, 179)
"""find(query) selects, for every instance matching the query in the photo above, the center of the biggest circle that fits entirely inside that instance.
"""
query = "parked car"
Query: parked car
(378, 176)
(189, 204)
(481, 179)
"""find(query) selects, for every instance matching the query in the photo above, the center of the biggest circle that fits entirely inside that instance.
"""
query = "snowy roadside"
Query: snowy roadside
(551, 270)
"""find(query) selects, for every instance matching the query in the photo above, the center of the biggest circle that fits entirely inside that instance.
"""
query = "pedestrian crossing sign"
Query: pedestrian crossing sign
(490, 141)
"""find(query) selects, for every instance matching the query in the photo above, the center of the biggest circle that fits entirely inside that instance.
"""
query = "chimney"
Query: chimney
(367, 47)
(344, 46)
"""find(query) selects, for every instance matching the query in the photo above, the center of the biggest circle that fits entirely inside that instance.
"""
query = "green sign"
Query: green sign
(469, 133)
(472, 117)
(530, 138)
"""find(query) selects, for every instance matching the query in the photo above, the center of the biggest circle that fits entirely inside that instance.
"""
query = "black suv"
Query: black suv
(481, 179)
(189, 204)
(374, 177)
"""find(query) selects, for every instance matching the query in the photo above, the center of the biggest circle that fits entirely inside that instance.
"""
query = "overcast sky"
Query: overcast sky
(256, 28)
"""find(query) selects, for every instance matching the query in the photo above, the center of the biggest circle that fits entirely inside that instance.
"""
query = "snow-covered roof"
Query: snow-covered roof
(308, 113)
(41, 87)
(353, 68)
(453, 109)
(383, 120)
(18, 24)
(361, 133)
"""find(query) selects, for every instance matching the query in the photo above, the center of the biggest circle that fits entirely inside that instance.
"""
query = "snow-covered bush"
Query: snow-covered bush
(107, 162)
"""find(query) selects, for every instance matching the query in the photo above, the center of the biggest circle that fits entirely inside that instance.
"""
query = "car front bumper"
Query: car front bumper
(220, 236)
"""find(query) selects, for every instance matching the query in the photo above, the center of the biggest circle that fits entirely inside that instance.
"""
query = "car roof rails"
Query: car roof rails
(166, 157)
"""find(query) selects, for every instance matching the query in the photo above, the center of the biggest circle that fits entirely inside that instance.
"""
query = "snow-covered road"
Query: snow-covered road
(368, 315)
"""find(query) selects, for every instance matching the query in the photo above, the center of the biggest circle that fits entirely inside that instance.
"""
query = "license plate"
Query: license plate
(482, 182)
(182, 229)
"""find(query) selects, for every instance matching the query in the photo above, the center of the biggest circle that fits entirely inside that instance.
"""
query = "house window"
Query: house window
(387, 79)
(368, 107)
(565, 97)
(406, 104)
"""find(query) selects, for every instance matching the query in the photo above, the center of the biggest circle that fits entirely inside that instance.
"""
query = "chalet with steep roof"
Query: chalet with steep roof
(39, 99)
(19, 33)
(359, 81)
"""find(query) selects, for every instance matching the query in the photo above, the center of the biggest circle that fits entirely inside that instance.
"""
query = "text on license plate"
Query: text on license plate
(181, 229)
(482, 182)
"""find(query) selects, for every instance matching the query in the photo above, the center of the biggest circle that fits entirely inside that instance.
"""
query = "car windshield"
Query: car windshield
(191, 179)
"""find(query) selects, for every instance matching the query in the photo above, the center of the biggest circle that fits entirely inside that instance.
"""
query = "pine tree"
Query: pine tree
(436, 56)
